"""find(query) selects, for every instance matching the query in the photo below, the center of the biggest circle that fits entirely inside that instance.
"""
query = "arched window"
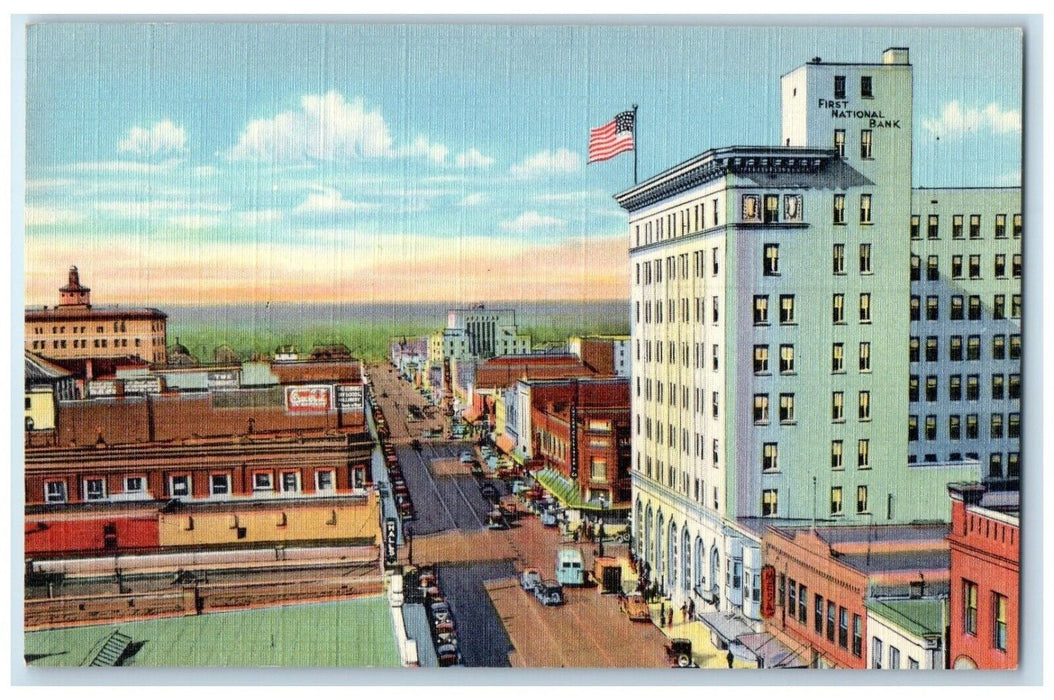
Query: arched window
(715, 570)
(660, 530)
(699, 563)
(638, 522)
(646, 540)
(686, 560)
(671, 555)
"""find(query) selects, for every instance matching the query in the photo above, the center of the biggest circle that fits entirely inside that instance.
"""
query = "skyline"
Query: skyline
(322, 162)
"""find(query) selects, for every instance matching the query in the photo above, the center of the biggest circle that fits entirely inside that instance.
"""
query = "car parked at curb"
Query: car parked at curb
(530, 579)
(549, 593)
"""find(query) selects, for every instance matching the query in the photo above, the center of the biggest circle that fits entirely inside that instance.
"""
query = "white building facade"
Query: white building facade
(770, 321)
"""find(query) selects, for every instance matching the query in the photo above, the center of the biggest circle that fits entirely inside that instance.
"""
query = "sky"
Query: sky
(207, 163)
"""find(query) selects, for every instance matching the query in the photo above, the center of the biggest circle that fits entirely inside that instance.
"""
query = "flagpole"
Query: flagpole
(634, 144)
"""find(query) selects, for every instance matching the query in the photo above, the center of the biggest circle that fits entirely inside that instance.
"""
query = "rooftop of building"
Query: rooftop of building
(302, 371)
(922, 617)
(100, 366)
(978, 498)
(296, 635)
(49, 313)
(839, 534)
(39, 369)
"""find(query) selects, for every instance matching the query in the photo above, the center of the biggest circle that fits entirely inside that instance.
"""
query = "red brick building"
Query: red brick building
(822, 578)
(594, 455)
(200, 469)
(985, 579)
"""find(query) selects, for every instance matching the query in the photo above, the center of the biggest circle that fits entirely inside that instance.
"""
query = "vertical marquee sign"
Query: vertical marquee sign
(391, 542)
(768, 591)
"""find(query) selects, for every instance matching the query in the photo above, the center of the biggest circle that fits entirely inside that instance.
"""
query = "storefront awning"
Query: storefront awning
(765, 648)
(726, 626)
(471, 415)
(505, 443)
(562, 488)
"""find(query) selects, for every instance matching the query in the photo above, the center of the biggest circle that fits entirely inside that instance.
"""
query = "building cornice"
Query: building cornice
(716, 163)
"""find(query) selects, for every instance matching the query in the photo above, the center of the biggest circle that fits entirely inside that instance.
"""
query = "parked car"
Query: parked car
(548, 518)
(466, 457)
(440, 612)
(489, 492)
(530, 579)
(679, 652)
(549, 593)
(446, 627)
(635, 607)
(447, 655)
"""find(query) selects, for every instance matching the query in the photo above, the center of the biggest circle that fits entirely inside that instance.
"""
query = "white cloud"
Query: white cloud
(529, 220)
(954, 121)
(473, 200)
(135, 209)
(46, 216)
(328, 200)
(195, 222)
(163, 139)
(423, 148)
(473, 159)
(546, 162)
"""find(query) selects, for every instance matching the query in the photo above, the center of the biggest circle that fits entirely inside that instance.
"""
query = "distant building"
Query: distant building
(906, 633)
(76, 329)
(46, 384)
(487, 332)
(985, 544)
(606, 354)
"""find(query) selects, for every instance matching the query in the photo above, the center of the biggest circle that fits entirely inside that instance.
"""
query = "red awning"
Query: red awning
(506, 443)
(471, 415)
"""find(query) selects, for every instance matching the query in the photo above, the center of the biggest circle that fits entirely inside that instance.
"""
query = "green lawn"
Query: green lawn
(352, 634)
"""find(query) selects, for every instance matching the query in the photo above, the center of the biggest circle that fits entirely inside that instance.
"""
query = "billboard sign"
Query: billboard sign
(350, 398)
(391, 542)
(308, 399)
(223, 380)
(144, 385)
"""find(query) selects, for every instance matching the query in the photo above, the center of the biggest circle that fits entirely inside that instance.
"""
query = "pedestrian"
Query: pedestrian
(691, 609)
(669, 618)
(684, 612)
(662, 613)
(729, 658)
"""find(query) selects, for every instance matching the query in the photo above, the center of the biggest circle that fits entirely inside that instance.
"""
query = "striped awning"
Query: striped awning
(505, 443)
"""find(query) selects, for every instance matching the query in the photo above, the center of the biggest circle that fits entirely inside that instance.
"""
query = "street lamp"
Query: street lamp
(409, 533)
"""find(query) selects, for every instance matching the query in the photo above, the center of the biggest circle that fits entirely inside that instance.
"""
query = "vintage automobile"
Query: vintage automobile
(549, 593)
(635, 607)
(440, 612)
(679, 653)
(489, 492)
(548, 518)
(530, 579)
(466, 457)
(447, 655)
(496, 520)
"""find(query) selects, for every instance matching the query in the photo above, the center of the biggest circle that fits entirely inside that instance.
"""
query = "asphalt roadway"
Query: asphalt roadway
(443, 502)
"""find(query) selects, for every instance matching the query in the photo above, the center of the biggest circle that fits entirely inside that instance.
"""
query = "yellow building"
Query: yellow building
(74, 329)
(301, 522)
(45, 385)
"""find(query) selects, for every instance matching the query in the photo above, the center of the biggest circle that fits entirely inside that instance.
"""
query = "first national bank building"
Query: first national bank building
(799, 318)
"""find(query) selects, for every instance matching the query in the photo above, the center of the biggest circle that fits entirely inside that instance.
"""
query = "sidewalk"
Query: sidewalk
(704, 652)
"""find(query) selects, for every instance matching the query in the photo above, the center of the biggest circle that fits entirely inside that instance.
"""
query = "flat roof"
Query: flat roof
(352, 633)
(922, 617)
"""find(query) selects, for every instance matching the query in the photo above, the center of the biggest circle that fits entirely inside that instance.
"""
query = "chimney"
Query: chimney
(895, 56)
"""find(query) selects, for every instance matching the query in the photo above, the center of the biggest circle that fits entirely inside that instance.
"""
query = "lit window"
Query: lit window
(838, 259)
(786, 408)
(770, 457)
(761, 310)
(836, 500)
(861, 499)
(865, 258)
(769, 502)
(761, 409)
(772, 259)
(915, 223)
(865, 308)
(786, 359)
(865, 145)
(787, 309)
(838, 309)
(932, 226)
(837, 357)
(975, 225)
(761, 359)
(865, 209)
(836, 454)
(969, 607)
(957, 226)
(865, 357)
(772, 208)
(838, 215)
(1000, 225)
(837, 406)
(999, 610)
(863, 454)
(839, 142)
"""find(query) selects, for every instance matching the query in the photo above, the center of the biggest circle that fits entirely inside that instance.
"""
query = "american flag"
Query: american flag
(606, 142)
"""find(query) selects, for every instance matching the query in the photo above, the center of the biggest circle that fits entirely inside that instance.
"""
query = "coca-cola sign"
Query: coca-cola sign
(308, 399)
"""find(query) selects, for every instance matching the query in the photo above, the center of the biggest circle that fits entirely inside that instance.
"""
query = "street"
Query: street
(498, 624)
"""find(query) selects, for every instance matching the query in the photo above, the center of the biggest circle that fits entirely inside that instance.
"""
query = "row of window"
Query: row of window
(674, 223)
(838, 259)
(794, 597)
(933, 226)
(83, 343)
(786, 407)
(770, 502)
(770, 454)
(652, 270)
(761, 309)
(974, 267)
(118, 327)
(95, 488)
(766, 208)
(866, 87)
(1003, 386)
(877, 656)
(998, 610)
(866, 143)
(668, 477)
(671, 311)
(955, 431)
(956, 313)
(761, 358)
(973, 347)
